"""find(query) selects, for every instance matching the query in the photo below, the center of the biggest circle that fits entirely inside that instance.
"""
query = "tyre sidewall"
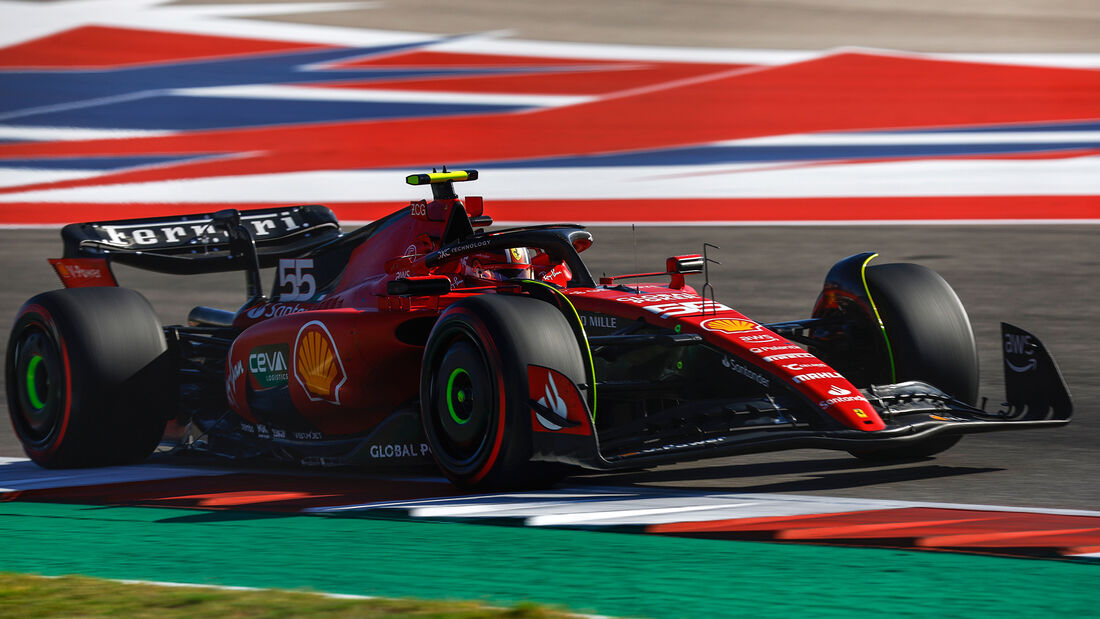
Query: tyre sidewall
(513, 332)
(53, 447)
(118, 389)
(930, 336)
(930, 340)
(463, 323)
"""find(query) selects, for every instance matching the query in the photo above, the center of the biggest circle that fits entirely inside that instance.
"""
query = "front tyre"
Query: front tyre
(474, 392)
(930, 339)
(928, 329)
(87, 378)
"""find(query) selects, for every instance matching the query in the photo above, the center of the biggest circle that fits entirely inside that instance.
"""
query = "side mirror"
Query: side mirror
(678, 266)
(692, 263)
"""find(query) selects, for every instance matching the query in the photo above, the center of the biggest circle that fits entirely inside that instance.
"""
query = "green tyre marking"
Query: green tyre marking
(461, 395)
(32, 390)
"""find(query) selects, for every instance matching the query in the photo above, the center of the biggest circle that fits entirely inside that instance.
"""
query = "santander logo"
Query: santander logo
(836, 390)
(554, 402)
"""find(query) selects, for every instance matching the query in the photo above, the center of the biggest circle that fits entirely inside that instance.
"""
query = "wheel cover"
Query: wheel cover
(464, 405)
(36, 375)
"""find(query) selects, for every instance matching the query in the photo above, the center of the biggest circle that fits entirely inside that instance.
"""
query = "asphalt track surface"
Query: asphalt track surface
(1042, 278)
(1064, 26)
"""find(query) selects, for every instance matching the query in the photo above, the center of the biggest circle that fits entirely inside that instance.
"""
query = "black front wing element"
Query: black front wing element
(1036, 397)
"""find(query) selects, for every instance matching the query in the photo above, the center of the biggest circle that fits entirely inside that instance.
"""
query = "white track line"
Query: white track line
(57, 134)
(550, 520)
(1075, 176)
(369, 95)
(617, 506)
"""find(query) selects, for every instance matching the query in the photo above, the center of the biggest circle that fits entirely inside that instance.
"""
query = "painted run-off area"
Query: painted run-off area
(973, 529)
(125, 122)
(586, 571)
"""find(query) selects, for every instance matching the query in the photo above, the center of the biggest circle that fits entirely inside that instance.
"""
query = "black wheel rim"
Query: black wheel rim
(464, 404)
(36, 376)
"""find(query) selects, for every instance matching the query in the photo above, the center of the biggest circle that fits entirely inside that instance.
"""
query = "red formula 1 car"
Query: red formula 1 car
(422, 335)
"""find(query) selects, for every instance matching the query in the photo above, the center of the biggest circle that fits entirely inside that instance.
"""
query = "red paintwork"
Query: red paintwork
(368, 372)
(753, 346)
(546, 385)
(83, 272)
(379, 371)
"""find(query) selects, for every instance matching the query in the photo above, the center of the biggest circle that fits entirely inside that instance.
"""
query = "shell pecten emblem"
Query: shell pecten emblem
(317, 364)
(729, 325)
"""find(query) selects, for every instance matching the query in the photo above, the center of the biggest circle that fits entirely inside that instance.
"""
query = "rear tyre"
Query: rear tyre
(474, 392)
(88, 378)
(930, 340)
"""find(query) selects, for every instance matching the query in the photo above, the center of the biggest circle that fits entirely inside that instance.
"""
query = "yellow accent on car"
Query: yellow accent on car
(587, 347)
(729, 325)
(441, 177)
(316, 364)
(878, 317)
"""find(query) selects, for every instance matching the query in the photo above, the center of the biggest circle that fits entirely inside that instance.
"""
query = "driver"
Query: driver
(489, 268)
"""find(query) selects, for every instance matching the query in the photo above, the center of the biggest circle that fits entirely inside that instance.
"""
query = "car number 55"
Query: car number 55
(296, 282)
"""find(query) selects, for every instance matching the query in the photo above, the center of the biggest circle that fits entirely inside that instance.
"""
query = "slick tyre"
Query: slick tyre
(474, 388)
(930, 339)
(88, 382)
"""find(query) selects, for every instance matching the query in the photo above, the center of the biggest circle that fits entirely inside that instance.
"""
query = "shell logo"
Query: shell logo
(317, 364)
(729, 325)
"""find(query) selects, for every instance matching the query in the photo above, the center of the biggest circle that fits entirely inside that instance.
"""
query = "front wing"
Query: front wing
(914, 412)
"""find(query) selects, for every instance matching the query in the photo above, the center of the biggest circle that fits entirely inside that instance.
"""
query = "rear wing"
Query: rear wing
(206, 243)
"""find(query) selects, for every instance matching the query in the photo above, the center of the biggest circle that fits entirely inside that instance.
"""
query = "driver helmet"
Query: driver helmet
(488, 268)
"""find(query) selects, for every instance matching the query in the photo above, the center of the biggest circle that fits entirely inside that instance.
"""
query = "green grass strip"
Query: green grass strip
(78, 596)
(605, 573)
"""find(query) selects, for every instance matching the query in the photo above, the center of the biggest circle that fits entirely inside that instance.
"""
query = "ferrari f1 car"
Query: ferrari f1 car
(494, 353)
